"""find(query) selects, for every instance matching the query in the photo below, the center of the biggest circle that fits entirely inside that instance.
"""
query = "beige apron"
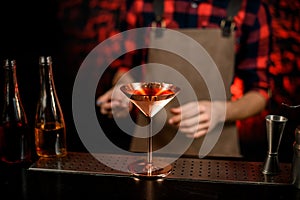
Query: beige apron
(221, 50)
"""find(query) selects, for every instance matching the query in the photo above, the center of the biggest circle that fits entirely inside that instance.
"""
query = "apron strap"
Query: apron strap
(158, 6)
(227, 24)
(233, 8)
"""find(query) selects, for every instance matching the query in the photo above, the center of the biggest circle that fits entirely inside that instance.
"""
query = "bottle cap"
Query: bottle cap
(9, 63)
(45, 60)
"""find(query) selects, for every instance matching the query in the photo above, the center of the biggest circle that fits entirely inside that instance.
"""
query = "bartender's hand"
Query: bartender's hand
(194, 118)
(114, 102)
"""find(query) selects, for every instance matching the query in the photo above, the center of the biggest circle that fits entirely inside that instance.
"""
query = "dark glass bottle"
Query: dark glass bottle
(50, 130)
(15, 137)
(296, 159)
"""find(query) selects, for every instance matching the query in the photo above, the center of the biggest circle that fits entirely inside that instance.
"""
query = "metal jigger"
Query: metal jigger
(275, 125)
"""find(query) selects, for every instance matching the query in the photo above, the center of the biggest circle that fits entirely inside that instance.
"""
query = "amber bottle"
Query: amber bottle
(50, 130)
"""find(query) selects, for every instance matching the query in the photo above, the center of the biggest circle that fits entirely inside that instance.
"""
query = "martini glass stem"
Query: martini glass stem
(149, 155)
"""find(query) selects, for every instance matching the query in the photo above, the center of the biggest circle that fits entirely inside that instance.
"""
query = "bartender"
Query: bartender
(250, 24)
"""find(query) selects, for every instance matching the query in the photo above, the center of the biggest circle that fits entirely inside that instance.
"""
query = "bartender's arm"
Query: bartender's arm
(194, 118)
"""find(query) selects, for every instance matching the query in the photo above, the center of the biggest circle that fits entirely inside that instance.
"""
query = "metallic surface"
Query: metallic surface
(188, 169)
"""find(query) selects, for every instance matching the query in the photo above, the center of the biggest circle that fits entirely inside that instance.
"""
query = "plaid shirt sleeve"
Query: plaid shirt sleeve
(253, 49)
(285, 68)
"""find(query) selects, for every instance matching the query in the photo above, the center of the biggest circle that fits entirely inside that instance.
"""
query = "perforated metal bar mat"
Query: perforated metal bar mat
(183, 168)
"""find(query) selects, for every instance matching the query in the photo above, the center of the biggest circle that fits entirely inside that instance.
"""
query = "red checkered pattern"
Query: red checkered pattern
(285, 69)
(253, 34)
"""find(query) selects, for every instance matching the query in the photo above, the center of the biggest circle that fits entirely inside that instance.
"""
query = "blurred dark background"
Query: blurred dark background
(67, 30)
(30, 29)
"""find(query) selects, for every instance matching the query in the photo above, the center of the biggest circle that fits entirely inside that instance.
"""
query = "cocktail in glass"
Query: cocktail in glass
(150, 98)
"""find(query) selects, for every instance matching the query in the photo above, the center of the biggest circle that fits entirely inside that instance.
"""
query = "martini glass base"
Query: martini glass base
(143, 169)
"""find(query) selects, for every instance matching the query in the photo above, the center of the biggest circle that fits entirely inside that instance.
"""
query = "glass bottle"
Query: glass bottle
(15, 137)
(296, 159)
(50, 130)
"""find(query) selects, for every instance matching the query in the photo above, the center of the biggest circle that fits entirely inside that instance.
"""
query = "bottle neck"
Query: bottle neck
(48, 108)
(48, 103)
(46, 80)
(11, 90)
(12, 108)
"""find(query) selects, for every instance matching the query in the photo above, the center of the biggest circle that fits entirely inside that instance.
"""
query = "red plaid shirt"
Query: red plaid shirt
(285, 68)
(253, 34)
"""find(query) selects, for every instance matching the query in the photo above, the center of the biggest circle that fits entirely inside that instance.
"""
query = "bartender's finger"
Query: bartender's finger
(105, 108)
(191, 130)
(188, 110)
(195, 131)
(185, 121)
(185, 112)
(176, 110)
(199, 121)
(175, 120)
(106, 97)
(200, 133)
(190, 122)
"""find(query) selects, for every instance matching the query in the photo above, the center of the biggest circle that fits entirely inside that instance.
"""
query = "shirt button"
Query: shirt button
(194, 5)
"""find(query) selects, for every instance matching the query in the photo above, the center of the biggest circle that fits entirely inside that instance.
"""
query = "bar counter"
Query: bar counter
(82, 176)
